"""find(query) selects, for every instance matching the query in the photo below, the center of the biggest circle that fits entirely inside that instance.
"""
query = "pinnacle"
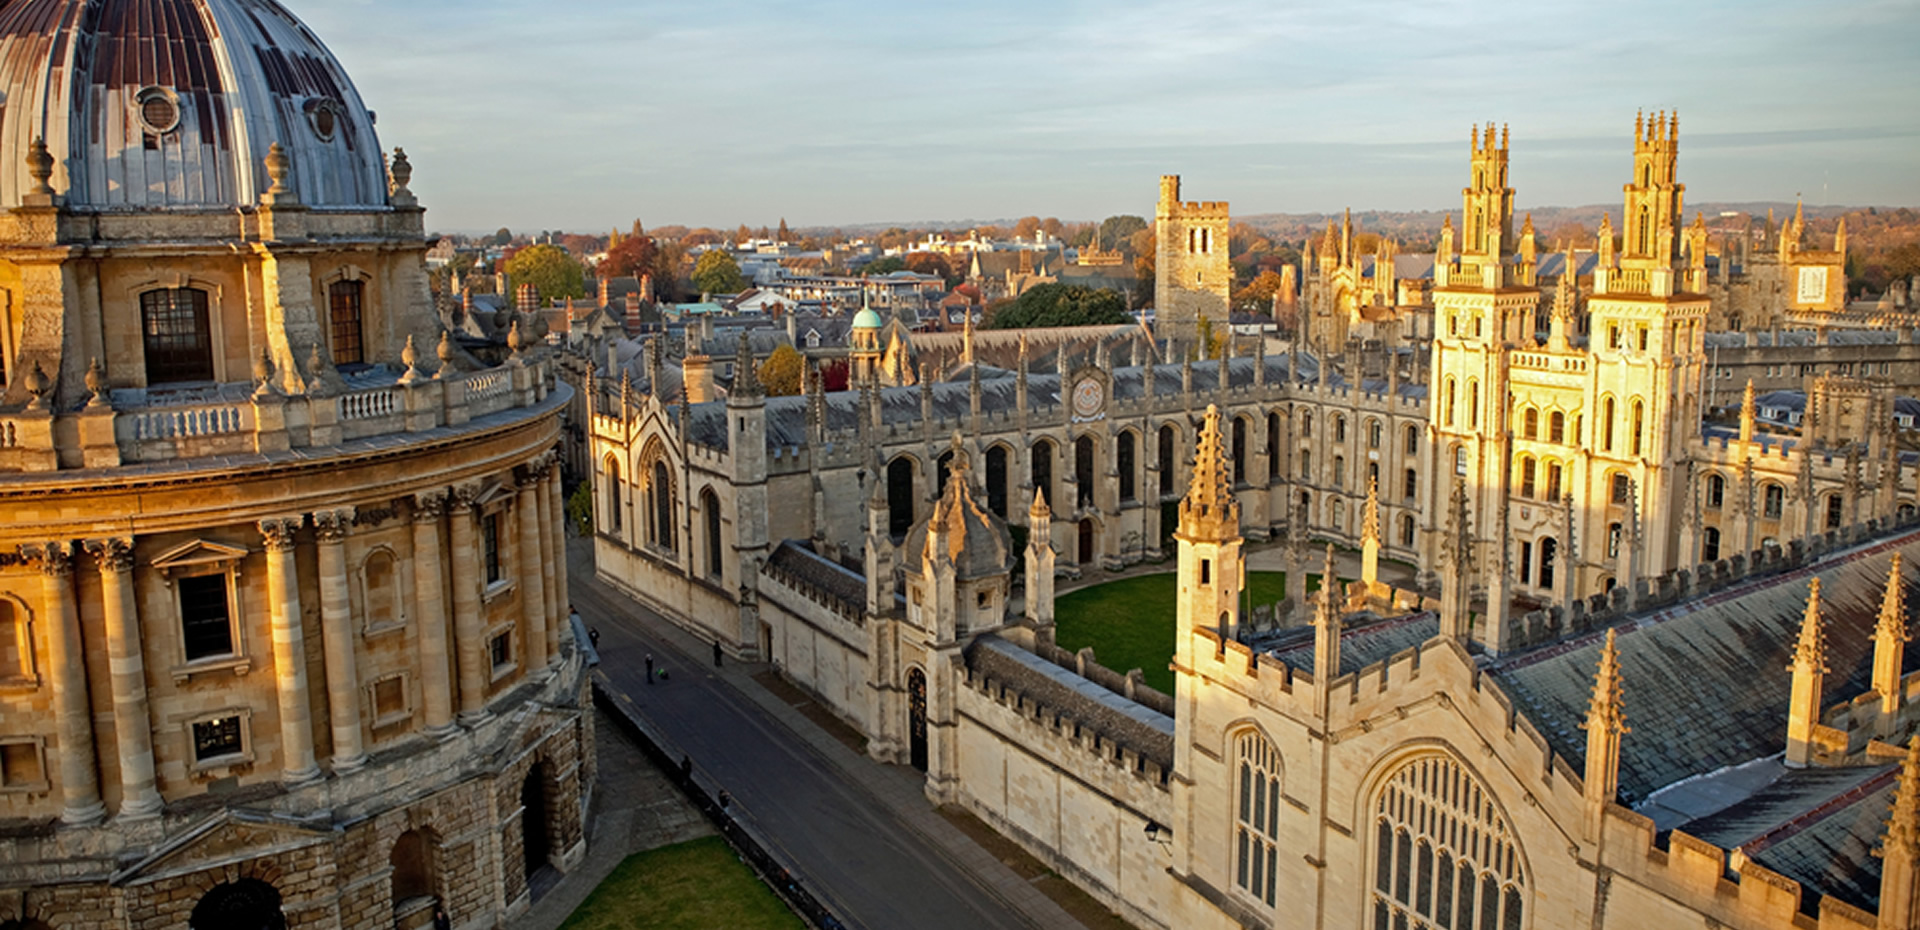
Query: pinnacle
(1903, 826)
(1893, 607)
(1605, 711)
(1811, 653)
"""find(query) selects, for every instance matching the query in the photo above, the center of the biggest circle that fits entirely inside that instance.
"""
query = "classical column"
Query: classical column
(556, 528)
(336, 635)
(467, 632)
(79, 786)
(552, 614)
(533, 587)
(430, 613)
(289, 650)
(132, 728)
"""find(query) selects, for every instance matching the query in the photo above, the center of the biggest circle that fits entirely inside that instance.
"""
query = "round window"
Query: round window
(323, 116)
(159, 111)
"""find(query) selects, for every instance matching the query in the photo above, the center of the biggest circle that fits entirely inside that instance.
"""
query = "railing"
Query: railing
(188, 422)
(9, 435)
(489, 383)
(370, 405)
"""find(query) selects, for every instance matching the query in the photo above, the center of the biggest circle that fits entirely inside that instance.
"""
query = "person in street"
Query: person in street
(726, 800)
(649, 668)
(593, 636)
(716, 653)
(440, 919)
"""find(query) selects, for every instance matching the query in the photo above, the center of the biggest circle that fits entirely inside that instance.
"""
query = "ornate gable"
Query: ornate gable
(229, 838)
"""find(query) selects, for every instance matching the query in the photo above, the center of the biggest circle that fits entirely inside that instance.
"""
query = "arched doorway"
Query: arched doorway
(411, 882)
(243, 904)
(1086, 541)
(917, 719)
(533, 821)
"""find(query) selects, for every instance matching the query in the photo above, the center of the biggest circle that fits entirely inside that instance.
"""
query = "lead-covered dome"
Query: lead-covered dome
(173, 104)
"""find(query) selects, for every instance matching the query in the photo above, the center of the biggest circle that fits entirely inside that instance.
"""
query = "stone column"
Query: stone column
(79, 785)
(533, 587)
(289, 650)
(132, 728)
(556, 527)
(553, 612)
(430, 610)
(467, 631)
(336, 634)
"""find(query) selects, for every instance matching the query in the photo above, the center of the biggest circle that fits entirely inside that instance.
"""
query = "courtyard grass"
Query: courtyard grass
(1129, 622)
(696, 885)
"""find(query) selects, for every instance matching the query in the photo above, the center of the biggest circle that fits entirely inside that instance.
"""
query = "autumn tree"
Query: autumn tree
(502, 236)
(1027, 226)
(1257, 296)
(1062, 305)
(780, 373)
(633, 256)
(1117, 231)
(783, 235)
(549, 269)
(931, 263)
(717, 273)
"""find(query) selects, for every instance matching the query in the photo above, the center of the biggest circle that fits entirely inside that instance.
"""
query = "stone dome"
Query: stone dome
(173, 104)
(976, 539)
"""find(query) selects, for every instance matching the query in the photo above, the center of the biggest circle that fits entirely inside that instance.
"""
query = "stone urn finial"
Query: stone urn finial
(97, 383)
(515, 340)
(278, 167)
(262, 374)
(317, 371)
(445, 352)
(39, 385)
(400, 174)
(410, 356)
(40, 167)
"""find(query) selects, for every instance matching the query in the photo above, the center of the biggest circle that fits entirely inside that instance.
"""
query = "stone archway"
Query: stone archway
(242, 904)
(535, 844)
(1086, 541)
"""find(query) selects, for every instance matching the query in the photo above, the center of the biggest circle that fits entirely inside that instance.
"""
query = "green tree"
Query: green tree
(780, 373)
(1210, 342)
(1116, 231)
(1062, 305)
(550, 270)
(887, 265)
(717, 273)
(502, 236)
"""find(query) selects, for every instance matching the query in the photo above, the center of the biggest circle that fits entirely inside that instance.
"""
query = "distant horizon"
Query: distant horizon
(587, 115)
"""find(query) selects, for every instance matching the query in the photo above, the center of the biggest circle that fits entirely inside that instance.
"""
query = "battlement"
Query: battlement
(1658, 134)
(1490, 147)
(1732, 890)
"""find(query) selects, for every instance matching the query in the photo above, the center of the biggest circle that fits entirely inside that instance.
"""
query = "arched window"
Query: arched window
(1549, 553)
(1557, 427)
(1167, 460)
(1716, 492)
(1606, 426)
(241, 904)
(1373, 434)
(1339, 429)
(1473, 403)
(1775, 502)
(1306, 424)
(943, 469)
(381, 585)
(1833, 511)
(660, 501)
(1413, 440)
(1459, 459)
(1084, 460)
(1123, 456)
(1406, 530)
(900, 496)
(1613, 540)
(177, 335)
(1239, 451)
(343, 315)
(1410, 486)
(1273, 447)
(1639, 424)
(412, 877)
(610, 474)
(710, 515)
(1444, 855)
(997, 480)
(1621, 488)
(1553, 481)
(1646, 232)
(1446, 411)
(1257, 819)
(1526, 476)
(1306, 464)
(1339, 471)
(1530, 421)
(1710, 545)
(1040, 471)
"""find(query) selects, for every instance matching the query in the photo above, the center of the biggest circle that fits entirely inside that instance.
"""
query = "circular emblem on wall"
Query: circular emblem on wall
(1088, 398)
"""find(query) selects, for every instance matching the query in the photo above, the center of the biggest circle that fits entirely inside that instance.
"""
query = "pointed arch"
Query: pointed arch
(1257, 773)
(1444, 851)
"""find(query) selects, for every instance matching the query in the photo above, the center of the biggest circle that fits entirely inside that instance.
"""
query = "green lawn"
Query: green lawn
(694, 885)
(1129, 623)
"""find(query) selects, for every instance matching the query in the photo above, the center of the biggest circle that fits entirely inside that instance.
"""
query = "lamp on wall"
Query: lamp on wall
(1157, 833)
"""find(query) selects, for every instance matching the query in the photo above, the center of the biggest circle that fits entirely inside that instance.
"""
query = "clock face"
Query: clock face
(1088, 398)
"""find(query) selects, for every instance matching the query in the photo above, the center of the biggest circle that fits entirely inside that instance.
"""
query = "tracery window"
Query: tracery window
(1257, 827)
(1444, 856)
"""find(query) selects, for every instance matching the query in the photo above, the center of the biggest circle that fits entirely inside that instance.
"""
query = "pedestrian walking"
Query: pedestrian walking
(440, 919)
(726, 800)
(593, 636)
(716, 653)
(649, 668)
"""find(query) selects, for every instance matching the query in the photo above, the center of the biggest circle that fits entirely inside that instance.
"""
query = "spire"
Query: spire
(1210, 511)
(1809, 670)
(1039, 562)
(1746, 413)
(1326, 629)
(746, 380)
(1606, 723)
(1370, 536)
(1890, 637)
(1900, 873)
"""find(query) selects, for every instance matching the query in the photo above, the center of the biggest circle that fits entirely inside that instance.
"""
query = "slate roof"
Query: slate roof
(1833, 855)
(1706, 683)
(1111, 716)
(1361, 644)
(796, 559)
(1804, 338)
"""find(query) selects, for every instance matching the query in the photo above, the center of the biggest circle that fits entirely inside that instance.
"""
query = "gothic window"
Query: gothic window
(1526, 476)
(611, 475)
(660, 502)
(1373, 434)
(1613, 540)
(1273, 447)
(942, 468)
(1646, 232)
(1239, 451)
(1306, 464)
(1531, 424)
(1639, 424)
(1123, 455)
(1459, 460)
(1553, 481)
(1833, 511)
(1040, 472)
(1339, 429)
(1447, 409)
(1413, 440)
(1084, 461)
(1621, 489)
(1406, 530)
(1373, 474)
(178, 337)
(900, 496)
(1473, 404)
(1710, 545)
(1775, 501)
(1716, 492)
(997, 480)
(1257, 820)
(1557, 427)
(1410, 487)
(1606, 427)
(710, 510)
(1339, 471)
(1526, 563)
(1548, 548)
(343, 313)
(1166, 461)
(1306, 424)
(1444, 856)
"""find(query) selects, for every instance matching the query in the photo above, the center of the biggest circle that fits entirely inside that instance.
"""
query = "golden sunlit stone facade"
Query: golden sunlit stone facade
(283, 630)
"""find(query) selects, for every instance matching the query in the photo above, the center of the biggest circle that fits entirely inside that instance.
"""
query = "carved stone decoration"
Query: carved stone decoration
(410, 356)
(38, 385)
(317, 371)
(400, 172)
(279, 166)
(280, 532)
(428, 506)
(374, 516)
(56, 557)
(262, 374)
(515, 340)
(113, 554)
(445, 352)
(331, 525)
(97, 384)
(464, 495)
(40, 167)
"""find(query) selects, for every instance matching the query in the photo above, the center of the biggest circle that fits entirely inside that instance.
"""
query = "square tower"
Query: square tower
(1192, 277)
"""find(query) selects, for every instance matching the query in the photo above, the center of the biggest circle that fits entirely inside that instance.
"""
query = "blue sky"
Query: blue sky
(584, 114)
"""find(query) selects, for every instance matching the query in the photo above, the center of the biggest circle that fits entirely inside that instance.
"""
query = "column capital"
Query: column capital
(331, 525)
(464, 495)
(279, 531)
(55, 558)
(112, 554)
(428, 506)
(530, 475)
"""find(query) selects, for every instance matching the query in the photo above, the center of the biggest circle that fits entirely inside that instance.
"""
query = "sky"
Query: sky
(583, 115)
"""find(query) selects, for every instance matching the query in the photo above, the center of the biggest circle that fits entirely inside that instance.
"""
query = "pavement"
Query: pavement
(859, 835)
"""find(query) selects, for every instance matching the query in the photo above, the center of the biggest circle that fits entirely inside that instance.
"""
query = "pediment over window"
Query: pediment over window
(496, 493)
(198, 553)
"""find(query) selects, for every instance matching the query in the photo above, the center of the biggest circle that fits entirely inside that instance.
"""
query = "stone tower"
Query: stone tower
(1192, 277)
(747, 439)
